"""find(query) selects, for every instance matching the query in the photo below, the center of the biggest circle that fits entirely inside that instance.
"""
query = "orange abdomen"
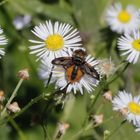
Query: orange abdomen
(73, 75)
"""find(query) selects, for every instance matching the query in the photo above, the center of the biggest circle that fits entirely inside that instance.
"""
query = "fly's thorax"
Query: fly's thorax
(79, 53)
(78, 61)
(78, 57)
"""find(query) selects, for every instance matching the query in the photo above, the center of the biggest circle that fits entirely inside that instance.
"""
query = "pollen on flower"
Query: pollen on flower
(54, 42)
(124, 16)
(134, 108)
(136, 44)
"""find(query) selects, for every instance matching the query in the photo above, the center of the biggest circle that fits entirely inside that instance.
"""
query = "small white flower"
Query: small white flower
(3, 41)
(130, 45)
(21, 21)
(122, 20)
(82, 81)
(45, 71)
(106, 67)
(56, 40)
(131, 105)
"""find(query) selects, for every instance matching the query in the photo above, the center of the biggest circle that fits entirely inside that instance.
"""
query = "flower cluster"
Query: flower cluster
(126, 21)
(65, 63)
(60, 42)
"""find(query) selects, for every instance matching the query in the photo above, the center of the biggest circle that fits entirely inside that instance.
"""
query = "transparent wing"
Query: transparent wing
(64, 61)
(90, 70)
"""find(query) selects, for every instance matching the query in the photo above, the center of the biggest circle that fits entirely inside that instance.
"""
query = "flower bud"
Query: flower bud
(108, 95)
(1, 96)
(62, 127)
(23, 74)
(106, 133)
(98, 119)
(124, 111)
(14, 107)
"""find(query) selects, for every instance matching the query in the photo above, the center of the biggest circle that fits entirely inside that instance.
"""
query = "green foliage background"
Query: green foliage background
(88, 17)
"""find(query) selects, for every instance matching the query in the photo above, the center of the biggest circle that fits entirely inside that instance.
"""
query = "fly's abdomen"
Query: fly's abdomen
(74, 74)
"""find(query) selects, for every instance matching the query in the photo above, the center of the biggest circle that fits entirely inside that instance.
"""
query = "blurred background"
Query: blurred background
(17, 18)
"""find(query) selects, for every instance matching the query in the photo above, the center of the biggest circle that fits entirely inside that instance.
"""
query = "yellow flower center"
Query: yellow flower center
(134, 108)
(136, 44)
(54, 42)
(124, 16)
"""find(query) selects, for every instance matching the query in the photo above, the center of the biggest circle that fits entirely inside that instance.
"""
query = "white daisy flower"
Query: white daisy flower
(82, 80)
(127, 105)
(56, 40)
(45, 72)
(3, 41)
(130, 44)
(122, 20)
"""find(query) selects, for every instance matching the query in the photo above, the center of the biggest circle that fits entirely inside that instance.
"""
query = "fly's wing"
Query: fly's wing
(63, 61)
(88, 69)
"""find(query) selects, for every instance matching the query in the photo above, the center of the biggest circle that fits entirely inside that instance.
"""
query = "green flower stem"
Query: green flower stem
(100, 108)
(97, 92)
(89, 126)
(17, 128)
(12, 97)
(103, 83)
(96, 135)
(51, 102)
(46, 136)
(33, 101)
(82, 130)
(122, 67)
(115, 130)
(106, 121)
